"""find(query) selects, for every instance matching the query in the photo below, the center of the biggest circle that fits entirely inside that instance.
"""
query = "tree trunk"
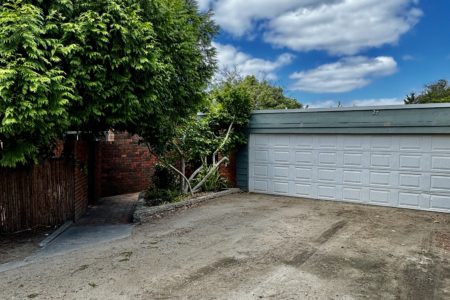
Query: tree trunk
(183, 170)
(214, 167)
(184, 178)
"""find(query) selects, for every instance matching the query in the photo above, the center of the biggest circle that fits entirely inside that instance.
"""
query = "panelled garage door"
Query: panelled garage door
(390, 170)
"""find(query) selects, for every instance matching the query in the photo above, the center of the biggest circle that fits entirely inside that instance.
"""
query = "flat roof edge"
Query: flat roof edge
(355, 108)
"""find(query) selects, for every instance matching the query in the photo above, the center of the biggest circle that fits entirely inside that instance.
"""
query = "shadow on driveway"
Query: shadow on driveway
(110, 219)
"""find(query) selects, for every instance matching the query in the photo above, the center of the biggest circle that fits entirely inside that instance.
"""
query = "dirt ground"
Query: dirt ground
(247, 246)
(20, 245)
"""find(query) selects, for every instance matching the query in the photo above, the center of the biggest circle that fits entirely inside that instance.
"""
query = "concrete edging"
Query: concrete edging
(143, 213)
(55, 234)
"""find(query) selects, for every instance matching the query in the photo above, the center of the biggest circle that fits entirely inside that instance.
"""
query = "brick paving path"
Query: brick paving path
(111, 210)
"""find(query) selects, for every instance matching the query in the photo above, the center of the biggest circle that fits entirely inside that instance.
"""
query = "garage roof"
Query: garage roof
(396, 119)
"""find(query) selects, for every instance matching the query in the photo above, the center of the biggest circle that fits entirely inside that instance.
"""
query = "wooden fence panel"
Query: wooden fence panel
(41, 195)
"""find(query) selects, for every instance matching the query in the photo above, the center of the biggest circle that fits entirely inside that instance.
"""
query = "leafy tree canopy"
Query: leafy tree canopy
(267, 96)
(437, 92)
(200, 139)
(91, 65)
(263, 94)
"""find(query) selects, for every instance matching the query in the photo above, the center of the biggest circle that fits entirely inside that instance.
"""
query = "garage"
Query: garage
(396, 156)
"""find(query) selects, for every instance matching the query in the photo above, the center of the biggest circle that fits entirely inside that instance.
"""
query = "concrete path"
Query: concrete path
(109, 220)
(77, 237)
(111, 210)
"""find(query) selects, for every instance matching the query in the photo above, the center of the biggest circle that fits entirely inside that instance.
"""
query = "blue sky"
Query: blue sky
(357, 52)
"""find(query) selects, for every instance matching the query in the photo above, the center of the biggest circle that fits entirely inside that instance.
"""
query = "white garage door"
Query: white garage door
(390, 170)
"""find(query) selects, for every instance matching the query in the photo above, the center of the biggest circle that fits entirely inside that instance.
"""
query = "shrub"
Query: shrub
(155, 197)
(214, 183)
(164, 178)
(164, 187)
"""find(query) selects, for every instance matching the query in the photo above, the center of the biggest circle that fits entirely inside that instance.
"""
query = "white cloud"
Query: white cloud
(336, 26)
(204, 4)
(346, 27)
(322, 104)
(231, 58)
(362, 102)
(347, 74)
(408, 57)
(241, 16)
(377, 102)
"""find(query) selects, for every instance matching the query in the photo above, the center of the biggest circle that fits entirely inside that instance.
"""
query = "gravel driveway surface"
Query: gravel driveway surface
(247, 246)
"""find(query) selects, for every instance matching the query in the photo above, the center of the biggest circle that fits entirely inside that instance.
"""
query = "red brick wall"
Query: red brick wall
(80, 152)
(122, 166)
(229, 170)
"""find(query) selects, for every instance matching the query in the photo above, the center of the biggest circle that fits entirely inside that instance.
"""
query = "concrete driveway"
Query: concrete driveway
(247, 246)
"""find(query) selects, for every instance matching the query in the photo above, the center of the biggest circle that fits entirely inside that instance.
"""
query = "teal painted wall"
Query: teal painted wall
(382, 120)
(242, 168)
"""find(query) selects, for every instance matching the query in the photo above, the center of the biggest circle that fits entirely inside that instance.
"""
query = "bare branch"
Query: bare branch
(221, 161)
(150, 149)
(227, 136)
(214, 167)
(195, 173)
(184, 177)
(183, 170)
(178, 149)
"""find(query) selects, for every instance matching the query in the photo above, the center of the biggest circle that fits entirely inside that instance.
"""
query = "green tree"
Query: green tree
(200, 140)
(266, 96)
(436, 92)
(91, 65)
(35, 94)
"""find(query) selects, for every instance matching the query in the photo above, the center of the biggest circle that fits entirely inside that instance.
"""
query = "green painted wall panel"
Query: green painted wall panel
(359, 120)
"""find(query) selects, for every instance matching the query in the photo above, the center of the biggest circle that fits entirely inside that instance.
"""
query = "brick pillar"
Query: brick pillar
(80, 153)
(98, 170)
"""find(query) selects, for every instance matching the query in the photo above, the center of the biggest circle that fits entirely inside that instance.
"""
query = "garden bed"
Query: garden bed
(144, 213)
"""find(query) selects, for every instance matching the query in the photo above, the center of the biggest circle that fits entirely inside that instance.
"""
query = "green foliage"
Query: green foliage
(214, 183)
(91, 65)
(184, 37)
(34, 91)
(201, 135)
(263, 94)
(164, 187)
(155, 197)
(230, 104)
(202, 139)
(266, 96)
(437, 92)
(164, 178)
